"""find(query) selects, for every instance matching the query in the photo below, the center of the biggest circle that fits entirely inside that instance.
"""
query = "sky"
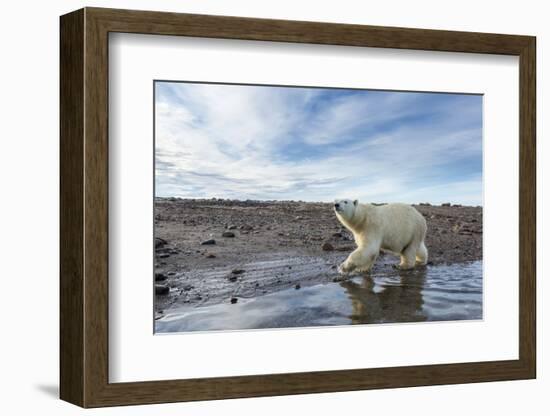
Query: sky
(317, 144)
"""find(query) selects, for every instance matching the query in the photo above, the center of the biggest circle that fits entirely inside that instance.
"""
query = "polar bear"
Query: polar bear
(395, 228)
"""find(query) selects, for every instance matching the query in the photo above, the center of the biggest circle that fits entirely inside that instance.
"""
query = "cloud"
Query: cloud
(316, 144)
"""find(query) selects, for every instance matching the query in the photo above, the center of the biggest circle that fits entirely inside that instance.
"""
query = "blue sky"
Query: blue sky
(317, 144)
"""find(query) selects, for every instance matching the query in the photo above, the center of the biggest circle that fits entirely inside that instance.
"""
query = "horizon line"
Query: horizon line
(425, 203)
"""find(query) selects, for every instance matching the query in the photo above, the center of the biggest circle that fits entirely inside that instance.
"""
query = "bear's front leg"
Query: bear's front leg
(360, 260)
(346, 267)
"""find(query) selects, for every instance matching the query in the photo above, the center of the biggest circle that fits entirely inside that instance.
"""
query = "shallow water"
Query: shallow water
(435, 293)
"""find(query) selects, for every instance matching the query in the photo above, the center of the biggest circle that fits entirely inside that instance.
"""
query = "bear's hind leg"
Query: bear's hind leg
(422, 255)
(408, 257)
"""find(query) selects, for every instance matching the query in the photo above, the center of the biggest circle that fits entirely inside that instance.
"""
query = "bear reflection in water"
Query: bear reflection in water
(387, 299)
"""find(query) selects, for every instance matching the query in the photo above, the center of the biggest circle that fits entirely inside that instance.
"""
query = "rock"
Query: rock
(162, 289)
(231, 227)
(160, 277)
(234, 273)
(164, 255)
(297, 286)
(345, 248)
(187, 288)
(210, 256)
(456, 228)
(246, 227)
(171, 273)
(299, 217)
(160, 242)
(208, 242)
(234, 300)
(327, 246)
(446, 204)
(230, 234)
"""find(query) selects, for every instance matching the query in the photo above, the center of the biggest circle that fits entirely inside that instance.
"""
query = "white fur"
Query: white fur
(397, 228)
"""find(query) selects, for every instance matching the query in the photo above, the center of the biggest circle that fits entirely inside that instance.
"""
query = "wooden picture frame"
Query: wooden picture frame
(84, 207)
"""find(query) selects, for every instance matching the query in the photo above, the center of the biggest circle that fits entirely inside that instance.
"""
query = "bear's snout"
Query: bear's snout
(336, 205)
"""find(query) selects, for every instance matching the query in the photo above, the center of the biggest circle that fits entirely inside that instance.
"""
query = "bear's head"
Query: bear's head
(345, 208)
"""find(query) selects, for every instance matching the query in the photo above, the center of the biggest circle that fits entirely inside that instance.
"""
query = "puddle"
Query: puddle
(436, 293)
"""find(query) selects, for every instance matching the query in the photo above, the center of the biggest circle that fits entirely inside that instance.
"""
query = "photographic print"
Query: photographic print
(294, 206)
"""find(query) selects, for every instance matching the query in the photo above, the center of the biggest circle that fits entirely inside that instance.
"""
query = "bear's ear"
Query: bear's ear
(355, 202)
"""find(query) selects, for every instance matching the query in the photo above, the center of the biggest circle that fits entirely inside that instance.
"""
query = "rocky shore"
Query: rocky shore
(212, 250)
